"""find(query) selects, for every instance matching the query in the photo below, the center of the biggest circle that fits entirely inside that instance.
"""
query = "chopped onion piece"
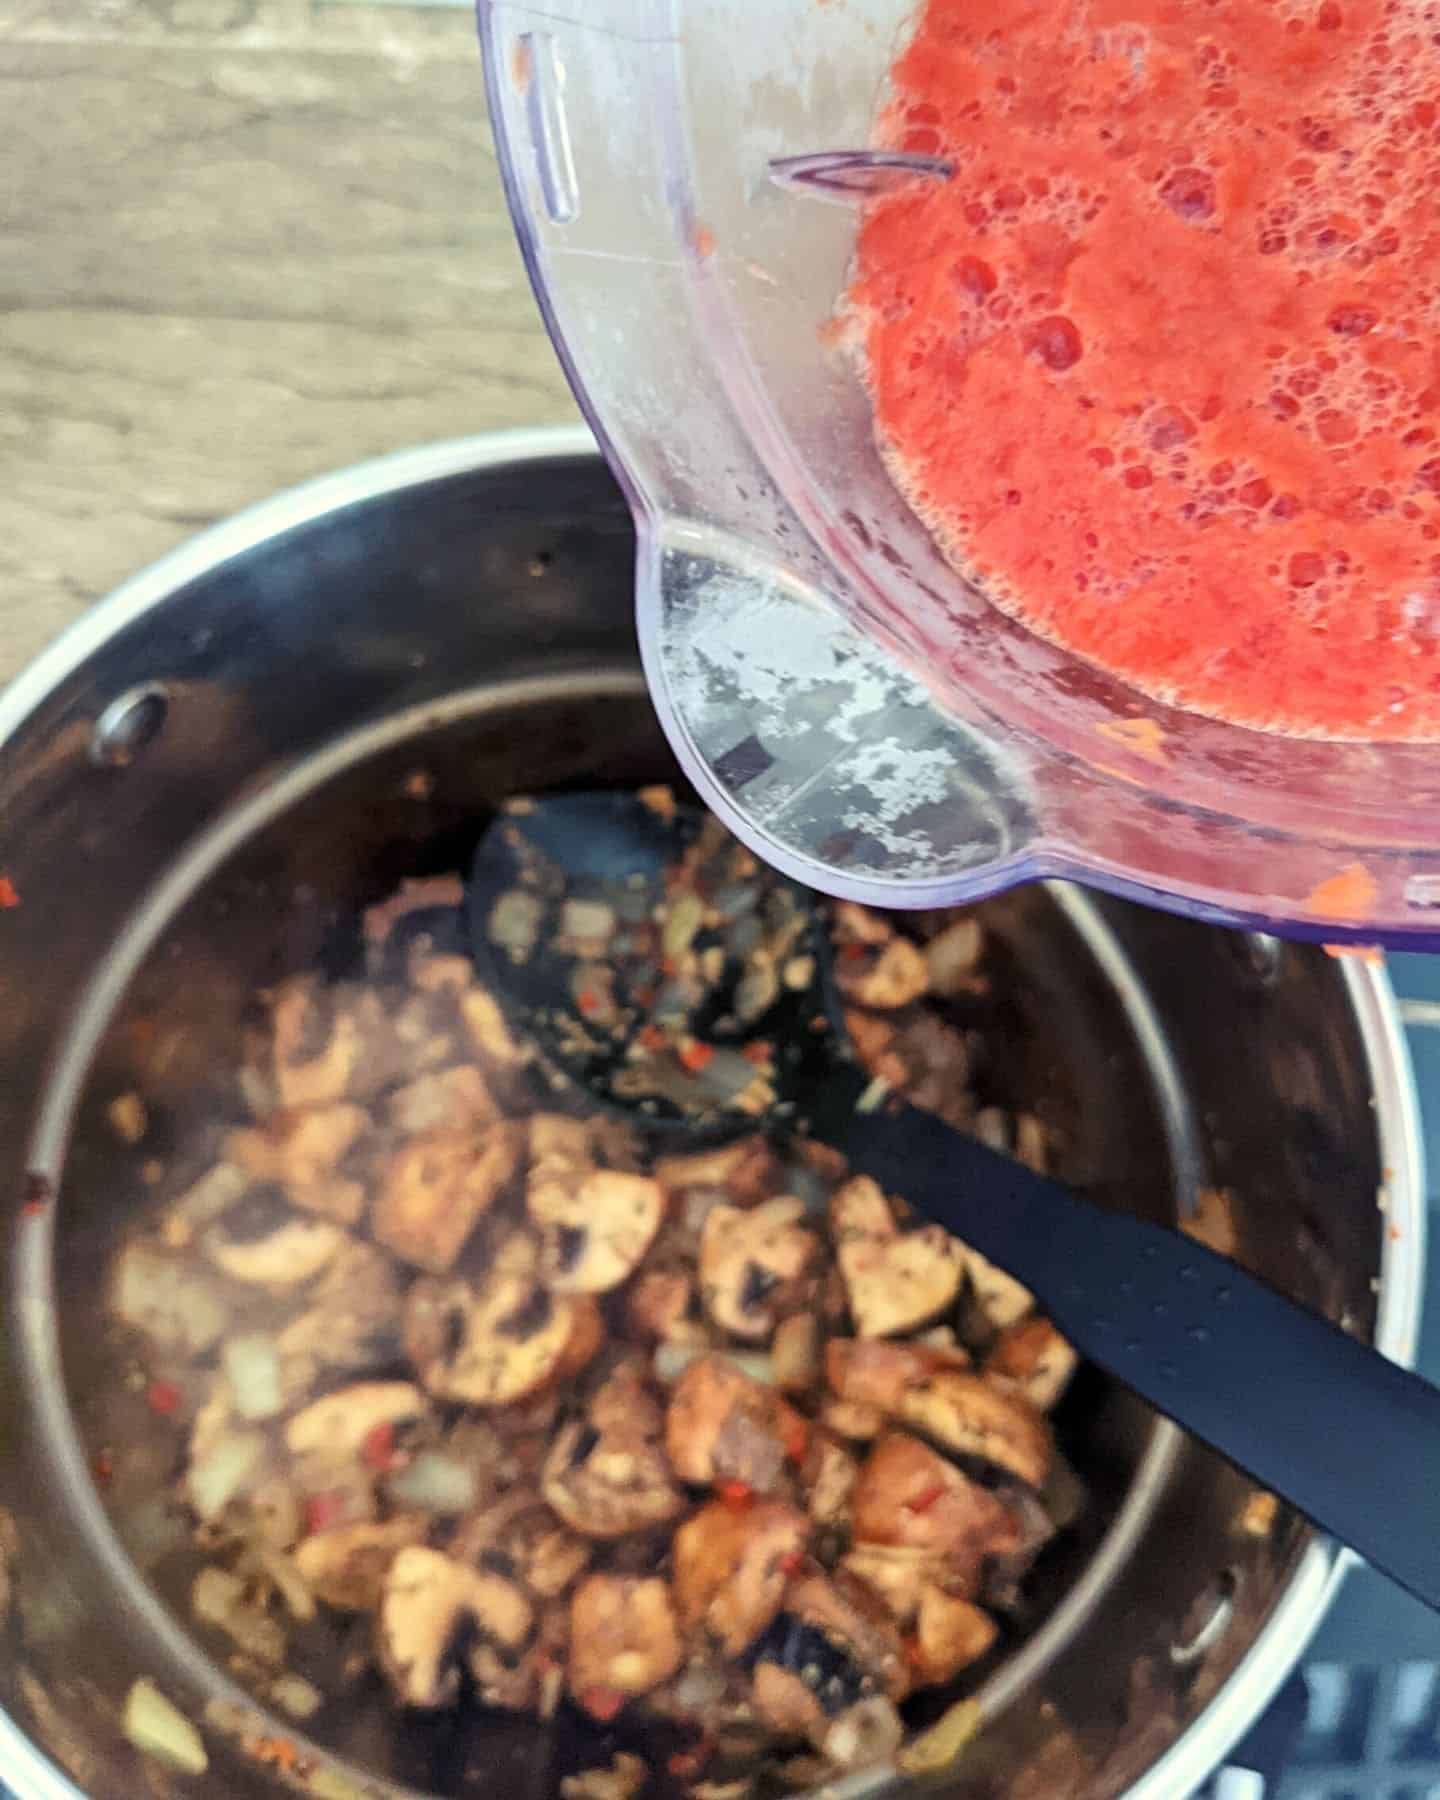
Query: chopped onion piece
(156, 1727)
(435, 1483)
(252, 1365)
(296, 1696)
(214, 1483)
(672, 1360)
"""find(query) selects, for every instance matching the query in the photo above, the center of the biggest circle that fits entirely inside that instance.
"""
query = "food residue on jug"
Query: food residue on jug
(718, 1443)
(1160, 365)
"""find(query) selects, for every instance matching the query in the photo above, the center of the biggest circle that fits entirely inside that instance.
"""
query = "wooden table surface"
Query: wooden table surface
(241, 242)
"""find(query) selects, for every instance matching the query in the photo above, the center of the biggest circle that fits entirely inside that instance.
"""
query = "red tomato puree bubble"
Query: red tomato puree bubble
(1163, 358)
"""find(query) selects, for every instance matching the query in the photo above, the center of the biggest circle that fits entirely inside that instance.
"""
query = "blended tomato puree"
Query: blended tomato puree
(1159, 365)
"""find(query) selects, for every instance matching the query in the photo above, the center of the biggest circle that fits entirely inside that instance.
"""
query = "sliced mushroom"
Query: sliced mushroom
(851, 1420)
(519, 1536)
(178, 1307)
(428, 1604)
(931, 1391)
(225, 1459)
(796, 1353)
(664, 1303)
(352, 1316)
(827, 1479)
(1000, 1297)
(953, 955)
(588, 1332)
(533, 1682)
(745, 1171)
(1033, 1358)
(910, 1497)
(436, 1189)
(346, 1565)
(951, 1632)
(489, 1034)
(895, 977)
(749, 1261)
(302, 1151)
(723, 1426)
(895, 1281)
(201, 1204)
(447, 1100)
(340, 1423)
(493, 1344)
(328, 1043)
(606, 1474)
(623, 1640)
(873, 1373)
(261, 1242)
(731, 1567)
(595, 1229)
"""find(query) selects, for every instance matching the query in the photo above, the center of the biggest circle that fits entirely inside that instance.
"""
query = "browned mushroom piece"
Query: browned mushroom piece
(953, 955)
(438, 1187)
(852, 1421)
(446, 1100)
(346, 1565)
(489, 1035)
(853, 923)
(1034, 1358)
(827, 1478)
(428, 1607)
(664, 1303)
(606, 1474)
(588, 1331)
(797, 1352)
(895, 1281)
(595, 1226)
(339, 1424)
(963, 1412)
(493, 1343)
(731, 1566)
(875, 1374)
(352, 1315)
(951, 1632)
(743, 1172)
(263, 1242)
(533, 1681)
(750, 1261)
(329, 1043)
(900, 1577)
(302, 1151)
(722, 1426)
(891, 978)
(519, 1536)
(623, 1640)
(910, 1497)
(1000, 1297)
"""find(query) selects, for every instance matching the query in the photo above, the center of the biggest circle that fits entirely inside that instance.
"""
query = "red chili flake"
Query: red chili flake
(796, 1432)
(378, 1450)
(853, 952)
(667, 965)
(792, 1562)
(761, 1052)
(9, 894)
(694, 1055)
(685, 1763)
(103, 1467)
(279, 1752)
(652, 1037)
(162, 1397)
(602, 1702)
(737, 1495)
(322, 1511)
(587, 1000)
(914, 1655)
(924, 1500)
(36, 1195)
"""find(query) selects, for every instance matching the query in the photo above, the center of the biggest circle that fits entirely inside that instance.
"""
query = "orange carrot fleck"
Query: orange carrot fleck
(735, 1494)
(9, 893)
(694, 1055)
(602, 1702)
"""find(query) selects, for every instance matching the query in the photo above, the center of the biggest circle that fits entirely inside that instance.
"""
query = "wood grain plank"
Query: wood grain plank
(222, 271)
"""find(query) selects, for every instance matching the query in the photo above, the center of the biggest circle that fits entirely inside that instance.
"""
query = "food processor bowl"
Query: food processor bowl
(682, 177)
(201, 787)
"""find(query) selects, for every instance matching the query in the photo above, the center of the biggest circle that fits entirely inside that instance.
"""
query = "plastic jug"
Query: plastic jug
(850, 706)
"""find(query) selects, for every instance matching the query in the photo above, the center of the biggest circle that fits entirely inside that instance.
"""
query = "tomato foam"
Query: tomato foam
(1159, 367)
